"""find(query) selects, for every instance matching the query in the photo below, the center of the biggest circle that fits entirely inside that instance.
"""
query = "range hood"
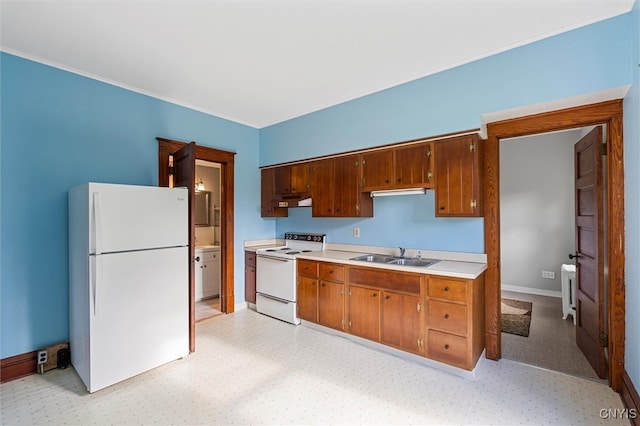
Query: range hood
(394, 192)
(303, 202)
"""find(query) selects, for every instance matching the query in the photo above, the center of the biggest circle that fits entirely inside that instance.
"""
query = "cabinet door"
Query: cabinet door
(250, 276)
(324, 188)
(364, 312)
(377, 170)
(349, 200)
(268, 195)
(282, 179)
(331, 304)
(199, 276)
(308, 298)
(458, 176)
(299, 178)
(401, 321)
(413, 166)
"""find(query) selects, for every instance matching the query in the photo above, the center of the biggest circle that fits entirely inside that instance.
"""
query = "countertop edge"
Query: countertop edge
(466, 270)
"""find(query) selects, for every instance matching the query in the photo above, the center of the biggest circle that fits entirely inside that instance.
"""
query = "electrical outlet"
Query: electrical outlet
(43, 356)
(356, 232)
(549, 275)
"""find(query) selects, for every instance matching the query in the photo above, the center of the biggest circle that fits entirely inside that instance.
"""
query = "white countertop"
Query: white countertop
(258, 244)
(450, 268)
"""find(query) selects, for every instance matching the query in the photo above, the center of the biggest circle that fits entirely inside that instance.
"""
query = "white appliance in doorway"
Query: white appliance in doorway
(276, 290)
(128, 280)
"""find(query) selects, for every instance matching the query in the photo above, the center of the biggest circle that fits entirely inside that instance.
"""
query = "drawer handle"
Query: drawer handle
(446, 316)
(446, 346)
(446, 289)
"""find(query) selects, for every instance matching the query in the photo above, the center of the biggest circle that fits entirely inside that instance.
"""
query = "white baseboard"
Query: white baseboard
(531, 290)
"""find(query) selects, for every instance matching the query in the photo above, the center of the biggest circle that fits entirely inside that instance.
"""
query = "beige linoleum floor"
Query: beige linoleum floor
(251, 369)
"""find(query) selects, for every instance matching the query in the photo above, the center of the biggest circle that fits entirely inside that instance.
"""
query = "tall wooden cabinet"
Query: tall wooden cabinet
(458, 171)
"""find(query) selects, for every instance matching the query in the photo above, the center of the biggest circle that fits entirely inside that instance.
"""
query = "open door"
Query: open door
(591, 335)
(184, 174)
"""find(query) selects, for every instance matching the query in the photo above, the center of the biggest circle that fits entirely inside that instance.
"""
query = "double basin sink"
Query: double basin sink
(394, 260)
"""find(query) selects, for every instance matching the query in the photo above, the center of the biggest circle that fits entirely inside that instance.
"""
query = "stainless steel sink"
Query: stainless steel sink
(375, 258)
(413, 261)
(394, 260)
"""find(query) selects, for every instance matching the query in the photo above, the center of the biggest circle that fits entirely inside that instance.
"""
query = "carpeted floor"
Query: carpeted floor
(552, 341)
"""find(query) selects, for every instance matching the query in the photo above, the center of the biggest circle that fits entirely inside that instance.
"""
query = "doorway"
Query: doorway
(610, 114)
(184, 169)
(537, 233)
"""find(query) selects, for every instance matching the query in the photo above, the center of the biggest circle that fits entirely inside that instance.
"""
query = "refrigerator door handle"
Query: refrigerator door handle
(95, 276)
(97, 223)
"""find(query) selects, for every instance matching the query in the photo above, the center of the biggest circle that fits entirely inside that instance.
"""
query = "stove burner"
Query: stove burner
(285, 248)
(307, 251)
(271, 249)
(292, 252)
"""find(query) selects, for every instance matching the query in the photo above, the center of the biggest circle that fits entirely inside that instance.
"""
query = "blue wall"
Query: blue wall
(582, 61)
(60, 130)
(632, 209)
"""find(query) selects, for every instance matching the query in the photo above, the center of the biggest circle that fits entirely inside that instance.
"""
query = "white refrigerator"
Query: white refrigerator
(128, 280)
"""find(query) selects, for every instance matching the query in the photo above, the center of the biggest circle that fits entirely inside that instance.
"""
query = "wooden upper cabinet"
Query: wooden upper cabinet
(292, 180)
(377, 170)
(398, 168)
(414, 166)
(268, 203)
(458, 172)
(336, 188)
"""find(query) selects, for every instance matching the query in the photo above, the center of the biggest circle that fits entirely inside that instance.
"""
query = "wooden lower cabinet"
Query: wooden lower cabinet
(400, 322)
(331, 295)
(250, 276)
(441, 318)
(364, 312)
(455, 320)
(307, 298)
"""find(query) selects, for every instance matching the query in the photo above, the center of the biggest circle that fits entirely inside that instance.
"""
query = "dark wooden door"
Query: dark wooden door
(184, 175)
(299, 177)
(268, 207)
(591, 334)
(413, 166)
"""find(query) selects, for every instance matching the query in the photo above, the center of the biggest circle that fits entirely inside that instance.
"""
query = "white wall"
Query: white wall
(537, 229)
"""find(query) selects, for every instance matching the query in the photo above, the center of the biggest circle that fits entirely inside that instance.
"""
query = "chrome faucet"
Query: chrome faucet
(402, 249)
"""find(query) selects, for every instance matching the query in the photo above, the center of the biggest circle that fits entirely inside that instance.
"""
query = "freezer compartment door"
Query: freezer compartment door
(128, 217)
(139, 313)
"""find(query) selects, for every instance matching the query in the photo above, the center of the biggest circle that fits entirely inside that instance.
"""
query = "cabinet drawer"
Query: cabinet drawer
(447, 348)
(308, 268)
(448, 317)
(446, 288)
(331, 271)
(388, 280)
(207, 255)
(249, 259)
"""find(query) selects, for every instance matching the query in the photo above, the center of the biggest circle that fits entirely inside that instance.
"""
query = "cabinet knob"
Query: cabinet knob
(446, 289)
(387, 297)
(323, 285)
(446, 316)
(374, 295)
(446, 346)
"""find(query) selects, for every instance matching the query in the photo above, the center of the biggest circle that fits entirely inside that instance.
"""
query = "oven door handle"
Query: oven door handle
(277, 299)
(279, 259)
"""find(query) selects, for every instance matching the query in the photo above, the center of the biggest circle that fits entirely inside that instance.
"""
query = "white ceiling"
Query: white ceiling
(260, 62)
